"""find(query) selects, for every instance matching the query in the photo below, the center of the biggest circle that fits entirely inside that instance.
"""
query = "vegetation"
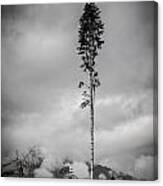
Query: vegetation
(90, 42)
(23, 164)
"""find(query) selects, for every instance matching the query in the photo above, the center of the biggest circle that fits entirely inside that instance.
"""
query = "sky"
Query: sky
(40, 76)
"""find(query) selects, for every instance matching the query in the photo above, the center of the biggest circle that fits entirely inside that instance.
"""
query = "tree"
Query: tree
(23, 164)
(90, 41)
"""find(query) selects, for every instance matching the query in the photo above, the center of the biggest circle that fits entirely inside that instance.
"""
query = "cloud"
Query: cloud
(119, 146)
(115, 109)
(80, 169)
(126, 137)
(64, 136)
(42, 173)
(144, 167)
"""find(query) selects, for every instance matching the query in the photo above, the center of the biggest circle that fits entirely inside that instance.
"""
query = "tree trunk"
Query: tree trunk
(92, 126)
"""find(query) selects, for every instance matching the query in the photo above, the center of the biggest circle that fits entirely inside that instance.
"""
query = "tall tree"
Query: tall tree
(90, 41)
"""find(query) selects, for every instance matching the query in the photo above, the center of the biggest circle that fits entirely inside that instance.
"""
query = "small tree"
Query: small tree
(25, 163)
(90, 41)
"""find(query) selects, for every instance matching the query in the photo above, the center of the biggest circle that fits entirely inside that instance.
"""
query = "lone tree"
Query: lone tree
(90, 31)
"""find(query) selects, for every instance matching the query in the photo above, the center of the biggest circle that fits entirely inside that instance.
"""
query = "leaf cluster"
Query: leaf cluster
(90, 41)
(90, 32)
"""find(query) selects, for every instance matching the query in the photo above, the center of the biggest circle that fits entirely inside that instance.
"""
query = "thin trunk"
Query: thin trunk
(92, 126)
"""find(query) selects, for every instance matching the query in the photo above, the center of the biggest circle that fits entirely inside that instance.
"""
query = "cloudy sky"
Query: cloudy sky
(40, 75)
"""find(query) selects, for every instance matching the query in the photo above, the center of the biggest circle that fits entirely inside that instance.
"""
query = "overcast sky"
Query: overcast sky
(40, 75)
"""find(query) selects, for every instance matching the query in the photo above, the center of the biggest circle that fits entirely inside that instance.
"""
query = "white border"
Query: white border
(43, 182)
(55, 1)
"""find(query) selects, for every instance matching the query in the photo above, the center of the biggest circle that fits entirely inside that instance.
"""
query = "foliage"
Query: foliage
(23, 164)
(90, 41)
